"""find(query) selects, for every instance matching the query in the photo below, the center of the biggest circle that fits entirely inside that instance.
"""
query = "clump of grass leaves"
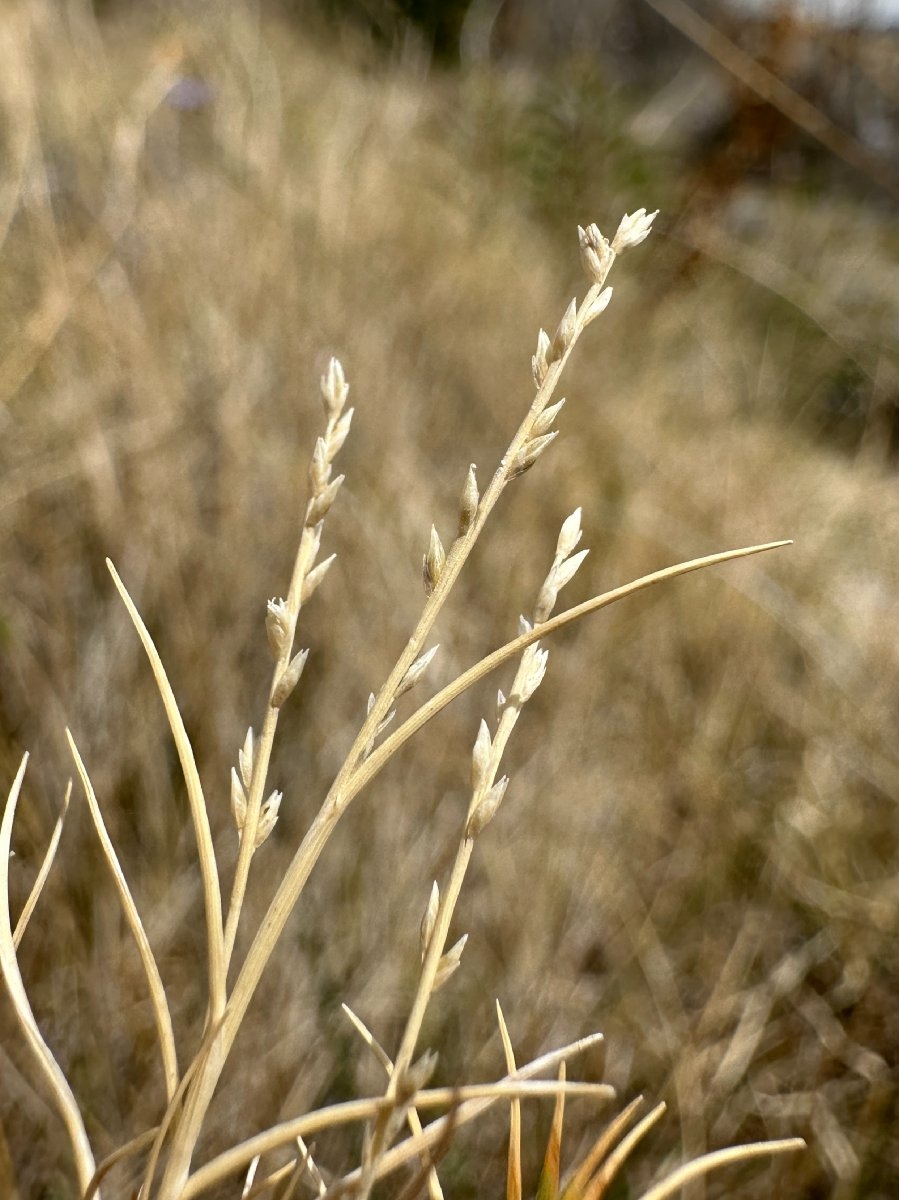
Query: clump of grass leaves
(400, 1130)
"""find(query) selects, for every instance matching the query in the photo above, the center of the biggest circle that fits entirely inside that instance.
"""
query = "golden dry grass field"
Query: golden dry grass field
(698, 854)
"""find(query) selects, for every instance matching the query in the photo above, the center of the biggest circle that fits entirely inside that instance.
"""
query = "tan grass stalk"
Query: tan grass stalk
(35, 894)
(62, 1094)
(205, 852)
(352, 1111)
(161, 1014)
(719, 1158)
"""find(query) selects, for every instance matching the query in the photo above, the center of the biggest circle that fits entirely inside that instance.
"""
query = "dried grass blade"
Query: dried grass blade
(471, 1109)
(206, 854)
(367, 770)
(427, 1169)
(513, 1171)
(35, 894)
(9, 967)
(548, 1187)
(133, 1147)
(163, 1017)
(719, 1158)
(369, 1038)
(290, 1185)
(610, 1168)
(434, 1189)
(574, 1189)
(483, 1094)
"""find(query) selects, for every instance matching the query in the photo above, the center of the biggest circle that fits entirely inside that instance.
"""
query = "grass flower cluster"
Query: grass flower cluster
(403, 1140)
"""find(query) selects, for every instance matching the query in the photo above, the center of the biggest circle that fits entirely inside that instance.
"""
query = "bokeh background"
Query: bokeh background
(699, 850)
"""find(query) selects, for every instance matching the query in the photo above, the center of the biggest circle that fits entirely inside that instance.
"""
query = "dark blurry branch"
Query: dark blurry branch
(777, 93)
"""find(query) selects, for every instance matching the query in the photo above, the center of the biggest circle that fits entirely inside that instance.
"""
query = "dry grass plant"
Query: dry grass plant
(167, 1150)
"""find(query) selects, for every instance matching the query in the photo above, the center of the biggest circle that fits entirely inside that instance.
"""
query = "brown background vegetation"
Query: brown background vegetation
(698, 852)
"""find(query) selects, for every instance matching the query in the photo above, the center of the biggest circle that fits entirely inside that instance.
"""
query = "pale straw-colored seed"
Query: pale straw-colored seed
(566, 571)
(468, 502)
(334, 389)
(238, 801)
(429, 919)
(524, 625)
(500, 700)
(634, 228)
(540, 360)
(563, 569)
(569, 535)
(416, 671)
(546, 602)
(319, 467)
(530, 673)
(245, 758)
(416, 1077)
(320, 505)
(487, 809)
(338, 435)
(449, 963)
(596, 253)
(314, 578)
(596, 306)
(566, 331)
(268, 818)
(381, 726)
(289, 678)
(384, 722)
(530, 452)
(434, 562)
(277, 627)
(546, 418)
(480, 757)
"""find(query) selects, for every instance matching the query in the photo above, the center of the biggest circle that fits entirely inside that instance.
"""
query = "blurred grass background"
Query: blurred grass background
(698, 854)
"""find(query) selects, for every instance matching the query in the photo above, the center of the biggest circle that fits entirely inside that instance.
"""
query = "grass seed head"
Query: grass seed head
(238, 801)
(429, 919)
(335, 389)
(416, 671)
(433, 563)
(449, 963)
(487, 809)
(289, 678)
(544, 422)
(596, 306)
(320, 505)
(596, 253)
(277, 627)
(566, 331)
(480, 757)
(634, 229)
(268, 818)
(540, 361)
(245, 758)
(468, 502)
(315, 576)
(530, 452)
